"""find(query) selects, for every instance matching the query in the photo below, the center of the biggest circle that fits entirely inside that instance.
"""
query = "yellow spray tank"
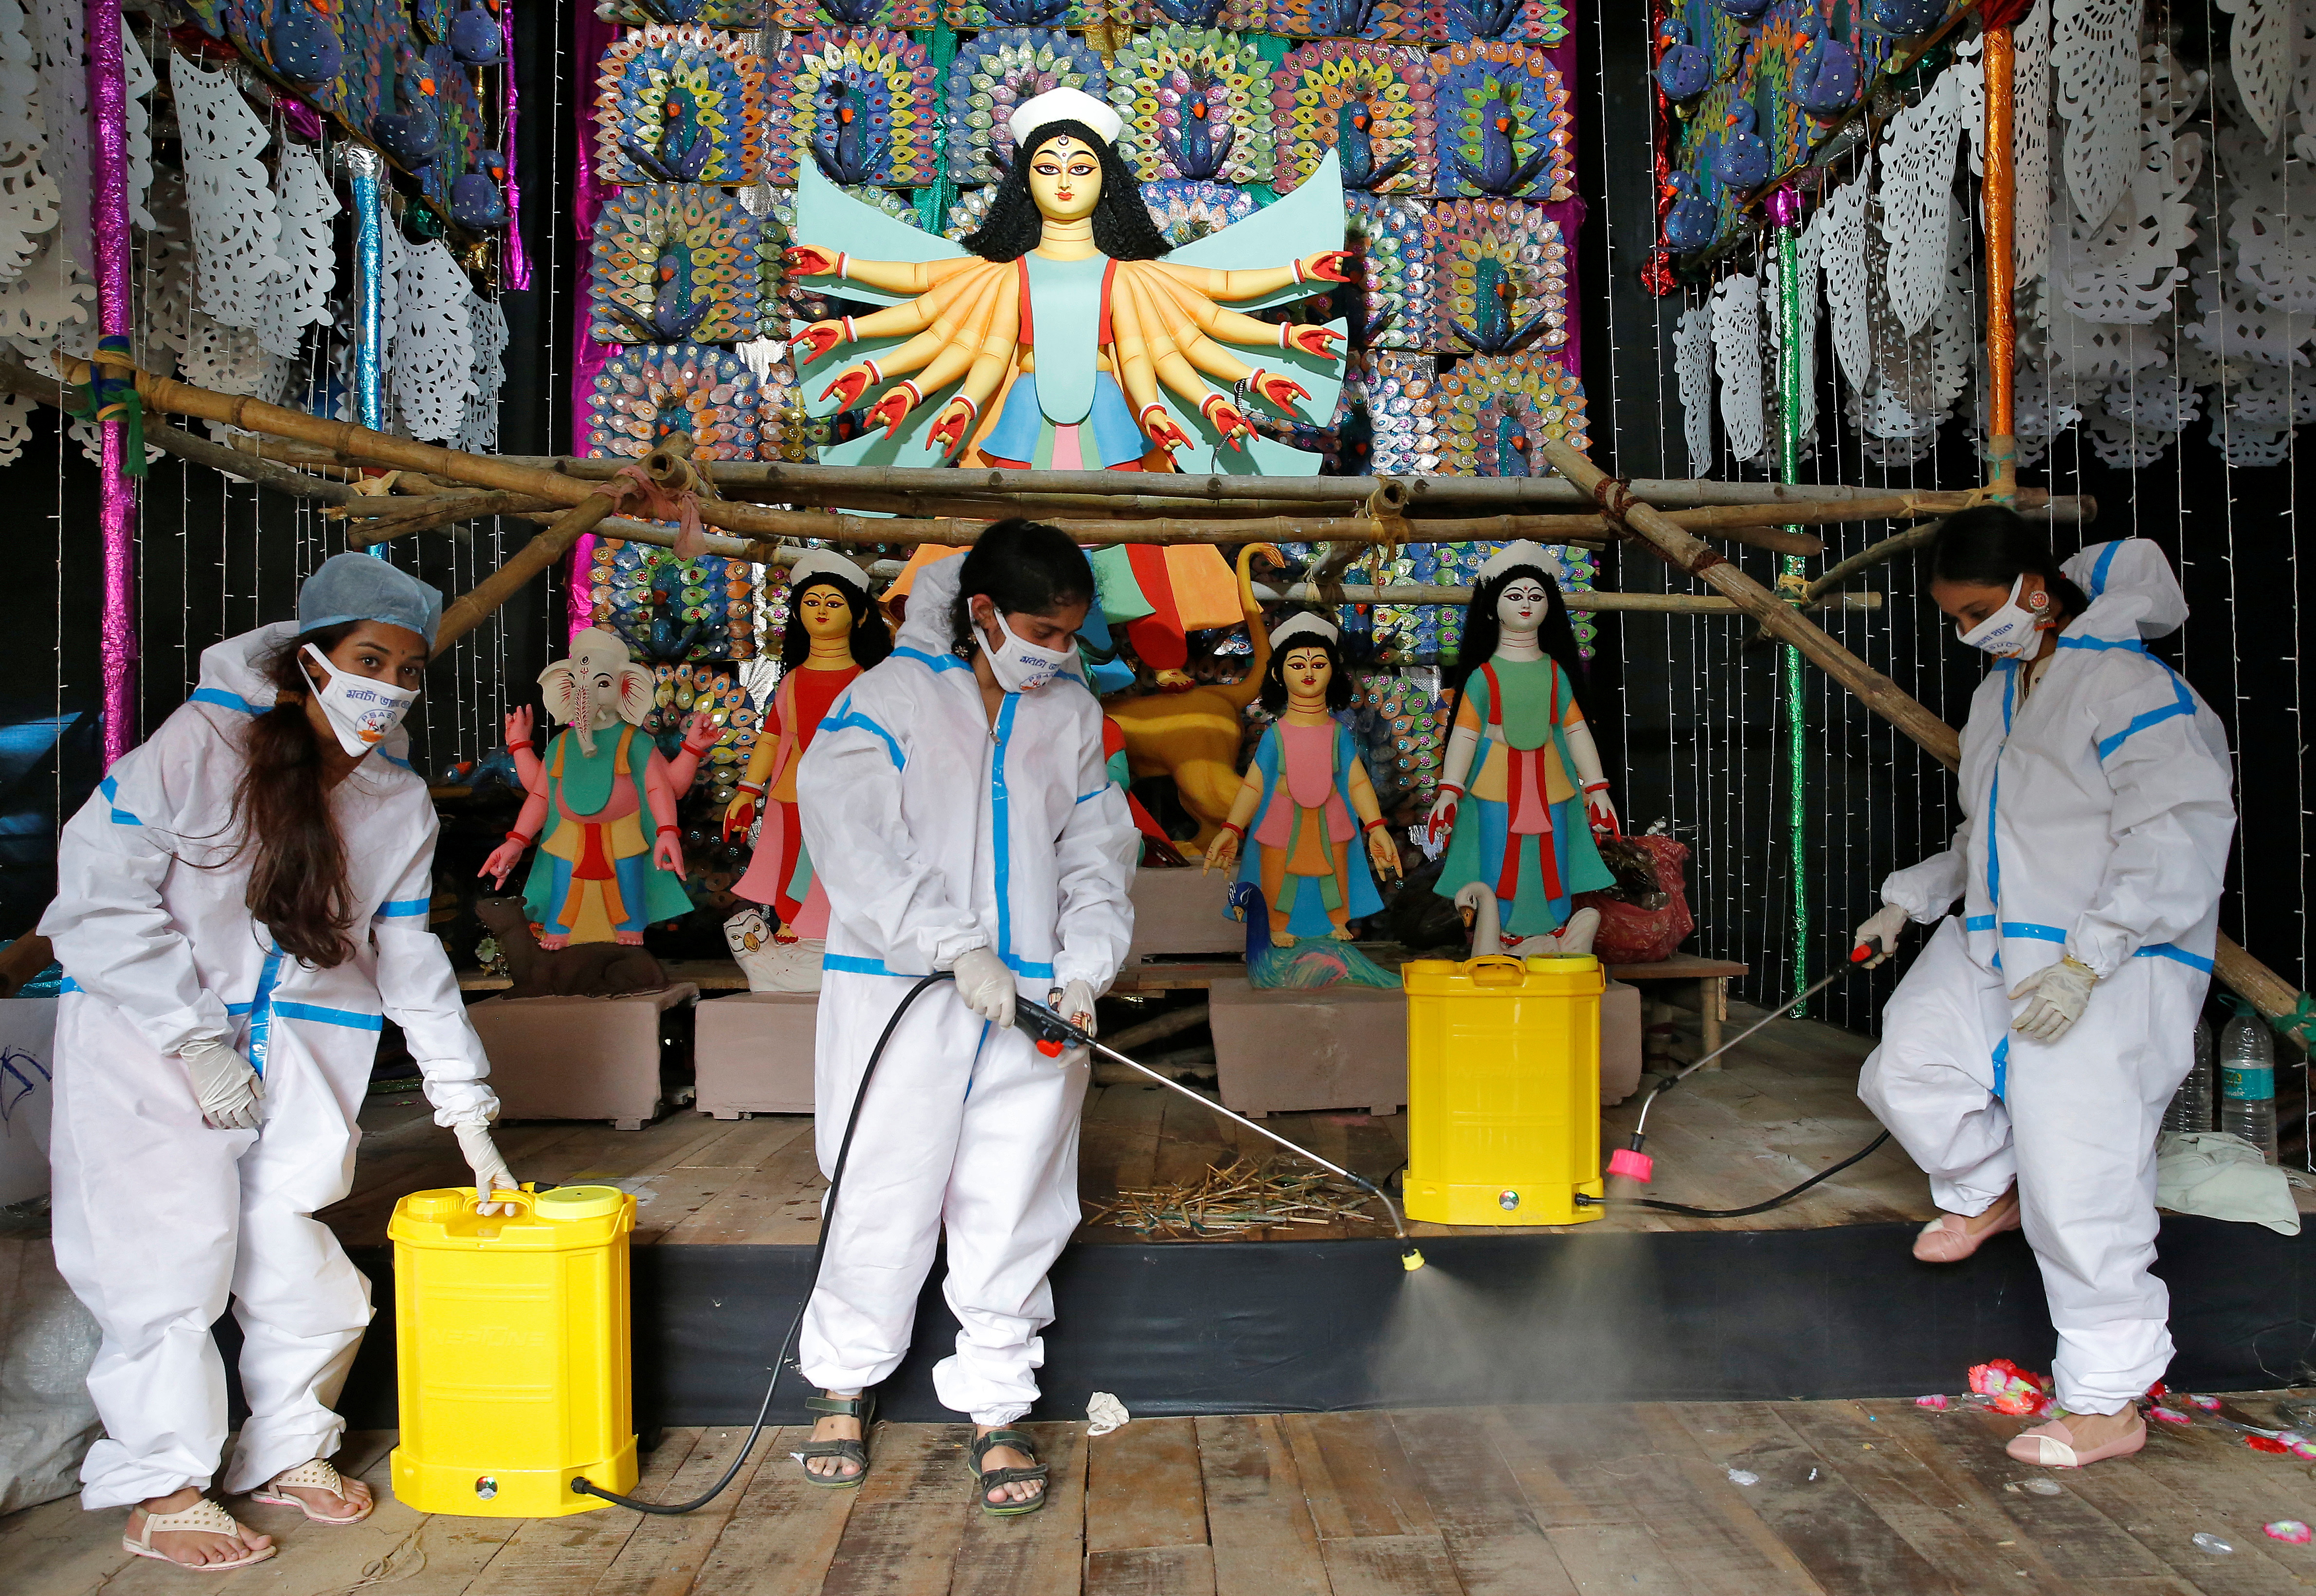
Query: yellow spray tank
(512, 1341)
(1503, 1089)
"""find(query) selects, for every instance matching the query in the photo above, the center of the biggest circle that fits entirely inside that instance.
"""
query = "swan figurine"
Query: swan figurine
(1744, 10)
(1825, 79)
(1683, 71)
(303, 45)
(1742, 159)
(1478, 904)
(476, 200)
(474, 34)
(1692, 222)
(1902, 19)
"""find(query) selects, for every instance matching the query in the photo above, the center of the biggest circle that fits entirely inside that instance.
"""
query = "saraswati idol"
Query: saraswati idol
(1065, 333)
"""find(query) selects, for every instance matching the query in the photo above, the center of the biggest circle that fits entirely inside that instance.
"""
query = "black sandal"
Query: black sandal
(863, 1407)
(986, 1481)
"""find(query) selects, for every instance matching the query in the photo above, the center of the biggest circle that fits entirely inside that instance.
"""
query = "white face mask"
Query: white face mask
(1019, 666)
(361, 712)
(2008, 632)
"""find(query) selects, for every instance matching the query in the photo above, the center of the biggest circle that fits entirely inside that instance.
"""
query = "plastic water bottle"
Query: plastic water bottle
(2248, 1081)
(2191, 1105)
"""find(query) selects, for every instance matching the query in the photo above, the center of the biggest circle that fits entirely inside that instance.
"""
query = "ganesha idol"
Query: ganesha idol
(1066, 334)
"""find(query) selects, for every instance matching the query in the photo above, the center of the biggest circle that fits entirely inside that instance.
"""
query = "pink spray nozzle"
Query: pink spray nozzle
(1630, 1160)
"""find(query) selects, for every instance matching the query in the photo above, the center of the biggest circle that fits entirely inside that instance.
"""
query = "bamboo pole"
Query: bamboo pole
(2262, 987)
(469, 609)
(1426, 495)
(1879, 554)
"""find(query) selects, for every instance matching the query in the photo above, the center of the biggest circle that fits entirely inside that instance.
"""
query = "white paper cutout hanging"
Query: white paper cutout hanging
(2126, 269)
(1841, 260)
(1692, 364)
(164, 297)
(478, 434)
(138, 121)
(2260, 53)
(47, 303)
(29, 204)
(58, 34)
(2275, 240)
(298, 296)
(16, 426)
(2030, 143)
(1969, 73)
(231, 359)
(1737, 360)
(434, 366)
(1918, 158)
(2304, 78)
(2254, 427)
(2095, 59)
(1805, 254)
(235, 223)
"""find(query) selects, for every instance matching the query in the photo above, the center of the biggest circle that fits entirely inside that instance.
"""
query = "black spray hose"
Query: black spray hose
(581, 1483)
(1630, 1160)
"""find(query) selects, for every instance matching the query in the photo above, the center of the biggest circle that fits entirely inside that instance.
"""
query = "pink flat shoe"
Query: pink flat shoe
(2052, 1445)
(1950, 1237)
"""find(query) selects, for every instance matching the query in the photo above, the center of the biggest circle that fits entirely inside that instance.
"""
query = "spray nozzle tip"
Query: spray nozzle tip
(1629, 1161)
(1409, 1259)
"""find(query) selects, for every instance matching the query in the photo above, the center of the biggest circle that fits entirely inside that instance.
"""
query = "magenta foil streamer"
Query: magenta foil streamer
(303, 119)
(515, 265)
(1786, 205)
(592, 37)
(108, 116)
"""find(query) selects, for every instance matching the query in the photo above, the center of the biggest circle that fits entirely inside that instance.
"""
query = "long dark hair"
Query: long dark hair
(1025, 567)
(1992, 547)
(872, 639)
(1122, 227)
(1274, 674)
(1483, 631)
(297, 887)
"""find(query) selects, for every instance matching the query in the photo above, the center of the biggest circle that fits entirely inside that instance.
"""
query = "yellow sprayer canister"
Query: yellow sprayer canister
(1503, 1089)
(511, 1338)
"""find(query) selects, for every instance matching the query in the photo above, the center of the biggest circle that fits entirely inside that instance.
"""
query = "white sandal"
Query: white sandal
(205, 1517)
(319, 1475)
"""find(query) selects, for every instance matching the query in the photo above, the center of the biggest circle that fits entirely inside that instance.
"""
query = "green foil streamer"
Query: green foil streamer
(1791, 365)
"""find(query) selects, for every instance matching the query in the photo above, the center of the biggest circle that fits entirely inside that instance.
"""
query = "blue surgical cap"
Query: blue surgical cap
(359, 588)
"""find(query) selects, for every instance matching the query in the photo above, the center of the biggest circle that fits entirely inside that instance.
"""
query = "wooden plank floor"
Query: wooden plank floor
(1785, 1106)
(1876, 1498)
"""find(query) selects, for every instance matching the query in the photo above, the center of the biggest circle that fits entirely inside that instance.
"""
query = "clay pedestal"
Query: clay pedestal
(1184, 910)
(613, 1058)
(1338, 1048)
(753, 1053)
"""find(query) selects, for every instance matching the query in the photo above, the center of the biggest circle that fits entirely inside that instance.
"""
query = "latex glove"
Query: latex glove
(985, 984)
(2055, 997)
(1881, 932)
(483, 1157)
(1441, 821)
(225, 1083)
(1075, 1004)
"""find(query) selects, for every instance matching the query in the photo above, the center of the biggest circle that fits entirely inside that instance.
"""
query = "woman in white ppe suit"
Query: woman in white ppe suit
(239, 903)
(956, 805)
(2027, 1057)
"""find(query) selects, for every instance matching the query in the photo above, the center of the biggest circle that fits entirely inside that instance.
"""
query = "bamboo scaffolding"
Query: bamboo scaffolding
(2266, 991)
